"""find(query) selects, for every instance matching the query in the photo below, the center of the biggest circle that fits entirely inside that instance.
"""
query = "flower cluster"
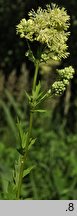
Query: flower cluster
(66, 73)
(49, 27)
(58, 87)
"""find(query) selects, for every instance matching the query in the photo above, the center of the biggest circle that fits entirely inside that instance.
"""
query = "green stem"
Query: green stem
(23, 158)
(35, 75)
(20, 179)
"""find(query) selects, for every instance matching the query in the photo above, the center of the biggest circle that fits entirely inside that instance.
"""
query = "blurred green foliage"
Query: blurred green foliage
(54, 157)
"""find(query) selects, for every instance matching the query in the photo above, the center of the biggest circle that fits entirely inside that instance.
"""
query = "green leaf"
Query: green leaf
(24, 139)
(38, 87)
(28, 170)
(31, 143)
(35, 94)
(22, 135)
(28, 96)
(20, 130)
(16, 172)
(11, 193)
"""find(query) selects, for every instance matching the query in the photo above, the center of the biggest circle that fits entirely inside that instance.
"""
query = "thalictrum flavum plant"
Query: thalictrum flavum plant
(49, 29)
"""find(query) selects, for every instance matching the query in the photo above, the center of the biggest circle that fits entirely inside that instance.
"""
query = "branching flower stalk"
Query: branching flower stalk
(49, 29)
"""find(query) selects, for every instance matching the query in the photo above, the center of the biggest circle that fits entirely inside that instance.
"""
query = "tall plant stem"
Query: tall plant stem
(24, 157)
(35, 75)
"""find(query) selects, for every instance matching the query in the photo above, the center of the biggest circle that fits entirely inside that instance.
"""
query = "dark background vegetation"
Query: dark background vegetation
(55, 152)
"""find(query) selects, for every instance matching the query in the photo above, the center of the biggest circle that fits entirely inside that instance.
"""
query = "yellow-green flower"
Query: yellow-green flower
(58, 87)
(49, 28)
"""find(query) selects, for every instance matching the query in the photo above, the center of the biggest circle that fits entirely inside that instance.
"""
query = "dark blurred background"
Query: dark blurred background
(55, 151)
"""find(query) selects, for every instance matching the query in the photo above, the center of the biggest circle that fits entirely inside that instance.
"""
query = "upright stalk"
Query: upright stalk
(35, 75)
(24, 157)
